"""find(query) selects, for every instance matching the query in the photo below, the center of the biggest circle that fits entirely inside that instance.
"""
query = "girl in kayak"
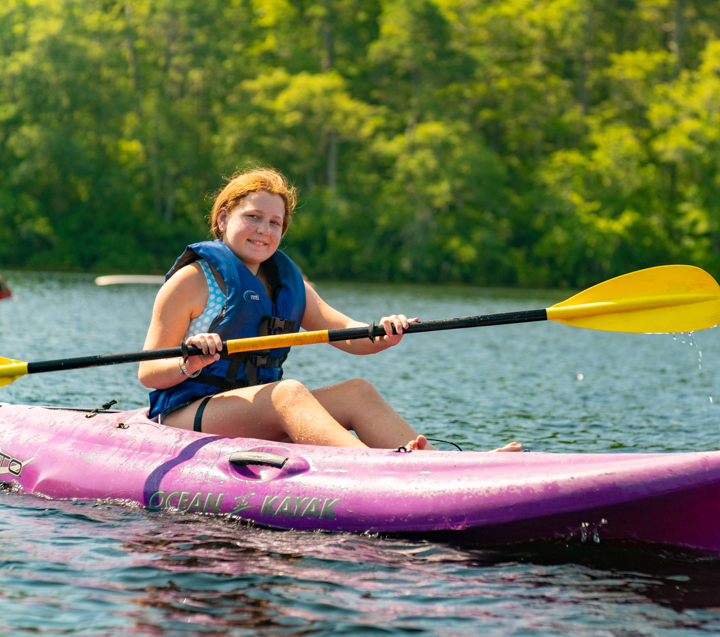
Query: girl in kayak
(241, 285)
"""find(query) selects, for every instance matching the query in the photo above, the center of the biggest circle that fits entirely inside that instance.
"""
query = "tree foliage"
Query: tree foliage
(497, 142)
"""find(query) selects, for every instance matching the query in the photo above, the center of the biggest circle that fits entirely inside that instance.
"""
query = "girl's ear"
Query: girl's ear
(221, 219)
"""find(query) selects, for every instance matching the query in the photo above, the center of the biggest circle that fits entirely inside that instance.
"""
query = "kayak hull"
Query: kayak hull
(680, 519)
(465, 497)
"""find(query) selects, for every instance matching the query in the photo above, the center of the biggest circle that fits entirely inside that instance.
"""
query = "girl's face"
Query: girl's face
(253, 229)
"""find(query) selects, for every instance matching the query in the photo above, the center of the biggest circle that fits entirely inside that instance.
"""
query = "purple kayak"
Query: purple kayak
(465, 497)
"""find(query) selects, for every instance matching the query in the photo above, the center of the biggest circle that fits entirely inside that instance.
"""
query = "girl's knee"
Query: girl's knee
(364, 388)
(289, 390)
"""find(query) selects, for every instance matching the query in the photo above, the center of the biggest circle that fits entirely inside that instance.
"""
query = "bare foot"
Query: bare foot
(513, 446)
(418, 444)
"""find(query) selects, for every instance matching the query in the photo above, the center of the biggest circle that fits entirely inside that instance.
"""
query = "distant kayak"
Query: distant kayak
(479, 498)
(5, 291)
(120, 279)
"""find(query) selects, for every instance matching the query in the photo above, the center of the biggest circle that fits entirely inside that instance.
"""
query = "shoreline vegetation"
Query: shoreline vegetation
(517, 143)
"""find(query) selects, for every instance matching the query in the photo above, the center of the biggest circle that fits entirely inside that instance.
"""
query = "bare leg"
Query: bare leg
(358, 406)
(324, 417)
(269, 412)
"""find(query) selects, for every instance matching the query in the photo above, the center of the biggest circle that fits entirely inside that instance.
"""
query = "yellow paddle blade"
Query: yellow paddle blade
(11, 370)
(669, 298)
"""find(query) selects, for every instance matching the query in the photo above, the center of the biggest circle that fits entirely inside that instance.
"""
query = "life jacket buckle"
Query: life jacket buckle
(275, 324)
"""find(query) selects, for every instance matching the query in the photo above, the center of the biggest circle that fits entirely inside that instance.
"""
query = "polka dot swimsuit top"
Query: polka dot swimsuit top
(216, 302)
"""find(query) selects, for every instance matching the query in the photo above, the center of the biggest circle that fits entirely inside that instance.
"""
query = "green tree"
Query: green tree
(530, 142)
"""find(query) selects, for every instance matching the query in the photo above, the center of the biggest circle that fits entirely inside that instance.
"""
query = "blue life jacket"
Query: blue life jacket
(248, 312)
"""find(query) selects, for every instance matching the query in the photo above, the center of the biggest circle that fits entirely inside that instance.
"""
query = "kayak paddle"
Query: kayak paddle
(670, 298)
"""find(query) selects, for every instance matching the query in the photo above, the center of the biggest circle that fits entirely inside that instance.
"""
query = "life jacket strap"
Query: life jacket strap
(275, 325)
(250, 362)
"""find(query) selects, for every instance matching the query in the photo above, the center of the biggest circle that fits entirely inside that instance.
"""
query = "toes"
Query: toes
(513, 446)
(418, 444)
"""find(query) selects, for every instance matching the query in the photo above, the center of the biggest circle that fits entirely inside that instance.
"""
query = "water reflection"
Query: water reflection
(304, 576)
(170, 573)
(680, 579)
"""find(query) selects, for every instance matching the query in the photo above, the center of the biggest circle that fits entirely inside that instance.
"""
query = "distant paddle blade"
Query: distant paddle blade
(669, 298)
(11, 370)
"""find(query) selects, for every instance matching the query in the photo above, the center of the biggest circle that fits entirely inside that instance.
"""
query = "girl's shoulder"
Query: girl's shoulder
(187, 285)
(189, 275)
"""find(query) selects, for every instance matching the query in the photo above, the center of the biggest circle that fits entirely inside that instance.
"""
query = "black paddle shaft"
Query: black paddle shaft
(333, 335)
(110, 359)
(507, 318)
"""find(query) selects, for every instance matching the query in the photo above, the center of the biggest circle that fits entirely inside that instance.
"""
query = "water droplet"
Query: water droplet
(711, 399)
(583, 531)
(580, 376)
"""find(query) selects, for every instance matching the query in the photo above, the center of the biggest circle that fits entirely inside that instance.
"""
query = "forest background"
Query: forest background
(495, 142)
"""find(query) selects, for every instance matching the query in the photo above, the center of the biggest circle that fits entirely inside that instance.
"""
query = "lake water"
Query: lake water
(90, 568)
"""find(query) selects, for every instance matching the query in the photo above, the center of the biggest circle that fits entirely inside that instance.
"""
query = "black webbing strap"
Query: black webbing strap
(272, 273)
(233, 369)
(250, 373)
(249, 362)
(197, 423)
(216, 381)
(271, 325)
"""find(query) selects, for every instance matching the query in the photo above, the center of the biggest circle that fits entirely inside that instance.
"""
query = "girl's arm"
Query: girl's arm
(320, 316)
(182, 298)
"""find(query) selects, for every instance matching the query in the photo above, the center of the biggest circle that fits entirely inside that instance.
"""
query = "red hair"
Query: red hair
(254, 180)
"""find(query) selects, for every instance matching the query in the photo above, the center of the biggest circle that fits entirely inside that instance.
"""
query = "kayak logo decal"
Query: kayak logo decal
(274, 505)
(12, 466)
(242, 504)
(299, 507)
(251, 295)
